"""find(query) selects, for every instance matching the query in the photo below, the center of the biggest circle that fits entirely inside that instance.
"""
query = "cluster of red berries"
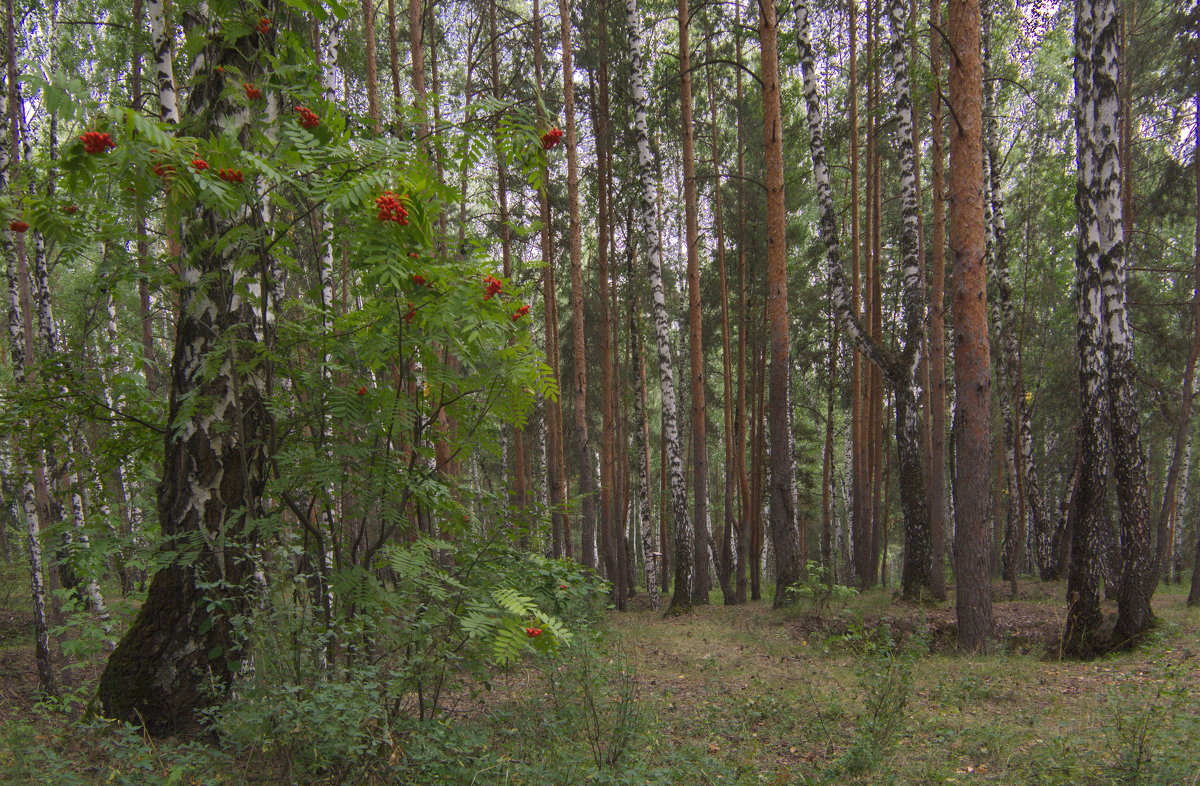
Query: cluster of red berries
(164, 170)
(520, 312)
(390, 208)
(492, 286)
(231, 175)
(362, 390)
(412, 312)
(200, 164)
(419, 279)
(18, 226)
(95, 142)
(533, 633)
(308, 118)
(551, 138)
(252, 92)
(263, 25)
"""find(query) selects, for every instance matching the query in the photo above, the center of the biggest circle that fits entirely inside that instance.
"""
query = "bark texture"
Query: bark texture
(785, 539)
(972, 360)
(681, 598)
(901, 371)
(181, 652)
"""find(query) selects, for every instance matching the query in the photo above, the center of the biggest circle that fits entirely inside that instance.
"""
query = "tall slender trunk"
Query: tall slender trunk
(149, 368)
(416, 48)
(519, 491)
(724, 566)
(20, 338)
(368, 12)
(681, 598)
(740, 433)
(586, 464)
(1169, 512)
(859, 520)
(1138, 578)
(394, 62)
(784, 536)
(901, 372)
(937, 318)
(611, 535)
(972, 449)
(1105, 339)
(700, 582)
(1002, 313)
(650, 543)
(1194, 590)
(556, 471)
(1083, 580)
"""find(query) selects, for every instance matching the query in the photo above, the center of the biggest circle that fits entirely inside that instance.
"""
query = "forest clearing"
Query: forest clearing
(573, 391)
(860, 691)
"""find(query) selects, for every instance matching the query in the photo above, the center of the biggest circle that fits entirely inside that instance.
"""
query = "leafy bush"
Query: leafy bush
(428, 626)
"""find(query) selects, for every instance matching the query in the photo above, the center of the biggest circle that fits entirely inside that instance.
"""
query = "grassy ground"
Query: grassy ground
(868, 691)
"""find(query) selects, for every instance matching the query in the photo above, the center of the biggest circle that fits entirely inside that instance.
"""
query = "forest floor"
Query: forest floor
(871, 691)
(868, 690)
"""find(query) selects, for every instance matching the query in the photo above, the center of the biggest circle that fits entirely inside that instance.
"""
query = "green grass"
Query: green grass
(753, 695)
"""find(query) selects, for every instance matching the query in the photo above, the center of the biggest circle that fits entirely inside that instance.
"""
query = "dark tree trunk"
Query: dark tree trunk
(700, 579)
(937, 318)
(784, 537)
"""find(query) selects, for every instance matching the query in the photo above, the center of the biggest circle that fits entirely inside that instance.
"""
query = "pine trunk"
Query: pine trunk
(586, 465)
(611, 534)
(725, 564)
(785, 539)
(556, 469)
(700, 580)
(972, 465)
(937, 318)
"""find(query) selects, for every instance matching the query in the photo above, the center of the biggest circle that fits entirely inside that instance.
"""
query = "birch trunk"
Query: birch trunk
(901, 372)
(1083, 579)
(681, 599)
(163, 37)
(20, 351)
(181, 651)
(650, 546)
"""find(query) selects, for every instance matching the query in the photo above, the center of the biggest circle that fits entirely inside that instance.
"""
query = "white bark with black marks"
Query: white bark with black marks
(681, 598)
(164, 66)
(900, 371)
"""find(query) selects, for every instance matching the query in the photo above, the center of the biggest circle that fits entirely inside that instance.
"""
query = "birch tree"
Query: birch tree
(1110, 420)
(215, 458)
(681, 598)
(900, 370)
